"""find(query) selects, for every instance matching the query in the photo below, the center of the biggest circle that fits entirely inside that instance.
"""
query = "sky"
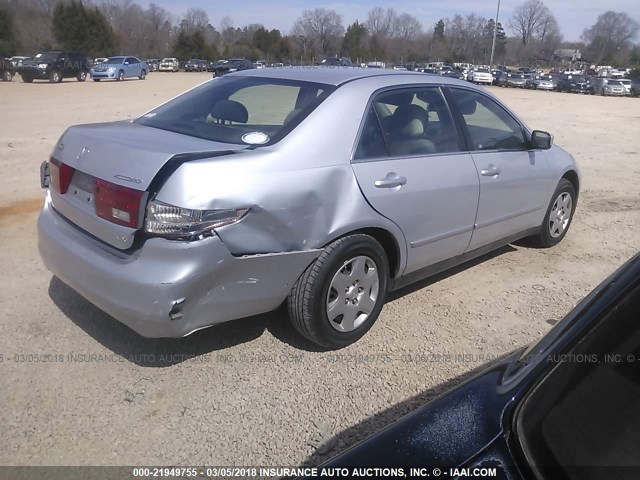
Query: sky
(572, 15)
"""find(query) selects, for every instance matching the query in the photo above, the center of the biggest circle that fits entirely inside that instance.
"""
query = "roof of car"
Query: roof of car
(328, 75)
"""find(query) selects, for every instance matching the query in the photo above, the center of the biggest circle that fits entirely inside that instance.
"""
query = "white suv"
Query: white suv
(480, 75)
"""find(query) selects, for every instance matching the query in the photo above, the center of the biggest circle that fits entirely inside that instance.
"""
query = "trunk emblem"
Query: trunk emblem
(128, 179)
(83, 153)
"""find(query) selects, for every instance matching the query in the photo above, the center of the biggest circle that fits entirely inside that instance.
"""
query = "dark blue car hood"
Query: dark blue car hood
(450, 430)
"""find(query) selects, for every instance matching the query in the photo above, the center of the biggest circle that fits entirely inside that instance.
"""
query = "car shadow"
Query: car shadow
(165, 352)
(351, 436)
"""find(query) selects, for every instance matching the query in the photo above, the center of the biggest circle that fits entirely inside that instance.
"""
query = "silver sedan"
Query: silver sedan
(324, 188)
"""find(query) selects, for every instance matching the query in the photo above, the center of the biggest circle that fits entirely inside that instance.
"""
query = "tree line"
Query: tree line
(107, 27)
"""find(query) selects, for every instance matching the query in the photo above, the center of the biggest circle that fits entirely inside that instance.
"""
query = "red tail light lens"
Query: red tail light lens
(60, 175)
(120, 205)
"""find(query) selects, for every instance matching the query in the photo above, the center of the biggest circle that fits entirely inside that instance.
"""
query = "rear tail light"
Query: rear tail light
(177, 222)
(120, 205)
(60, 175)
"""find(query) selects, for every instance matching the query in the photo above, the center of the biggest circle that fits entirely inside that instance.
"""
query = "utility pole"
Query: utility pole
(495, 31)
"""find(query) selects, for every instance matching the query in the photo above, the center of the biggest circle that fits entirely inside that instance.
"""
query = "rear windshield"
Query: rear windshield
(239, 110)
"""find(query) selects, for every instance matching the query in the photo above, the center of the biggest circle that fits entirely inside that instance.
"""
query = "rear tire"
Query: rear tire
(120, 76)
(7, 76)
(559, 216)
(82, 76)
(348, 282)
(143, 75)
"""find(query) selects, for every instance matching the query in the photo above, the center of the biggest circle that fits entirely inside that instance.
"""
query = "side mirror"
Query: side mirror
(541, 140)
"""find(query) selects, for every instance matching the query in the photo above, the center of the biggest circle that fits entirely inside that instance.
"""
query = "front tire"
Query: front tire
(7, 76)
(559, 215)
(120, 76)
(82, 76)
(143, 75)
(55, 77)
(340, 295)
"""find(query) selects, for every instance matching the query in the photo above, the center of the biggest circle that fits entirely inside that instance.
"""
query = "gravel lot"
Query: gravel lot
(78, 388)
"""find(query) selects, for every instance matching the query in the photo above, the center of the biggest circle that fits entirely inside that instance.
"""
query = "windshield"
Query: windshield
(47, 56)
(116, 60)
(614, 82)
(482, 70)
(168, 59)
(577, 78)
(240, 110)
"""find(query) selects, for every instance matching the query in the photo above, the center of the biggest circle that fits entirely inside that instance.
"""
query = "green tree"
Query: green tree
(353, 44)
(7, 33)
(438, 31)
(82, 30)
(268, 42)
(501, 40)
(193, 45)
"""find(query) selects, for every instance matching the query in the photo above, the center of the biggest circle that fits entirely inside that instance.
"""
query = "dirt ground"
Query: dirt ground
(78, 388)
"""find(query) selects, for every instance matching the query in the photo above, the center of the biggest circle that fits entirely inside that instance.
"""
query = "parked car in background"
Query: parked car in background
(6, 69)
(336, 62)
(231, 65)
(607, 86)
(565, 407)
(120, 68)
(16, 61)
(376, 65)
(540, 82)
(512, 79)
(480, 75)
(153, 64)
(430, 71)
(195, 65)
(572, 83)
(186, 198)
(455, 73)
(634, 89)
(626, 83)
(55, 66)
(170, 64)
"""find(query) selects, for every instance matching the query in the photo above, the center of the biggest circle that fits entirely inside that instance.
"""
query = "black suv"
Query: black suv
(196, 65)
(231, 65)
(54, 66)
(6, 69)
(337, 62)
(570, 83)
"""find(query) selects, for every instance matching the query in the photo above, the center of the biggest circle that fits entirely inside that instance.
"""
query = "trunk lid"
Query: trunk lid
(122, 153)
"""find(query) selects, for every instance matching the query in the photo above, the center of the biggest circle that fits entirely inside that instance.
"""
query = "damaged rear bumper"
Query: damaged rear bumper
(168, 288)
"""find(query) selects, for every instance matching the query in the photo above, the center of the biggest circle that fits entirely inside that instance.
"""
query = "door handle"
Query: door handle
(392, 180)
(490, 171)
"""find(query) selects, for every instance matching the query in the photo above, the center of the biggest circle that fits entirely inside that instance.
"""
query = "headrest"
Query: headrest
(229, 110)
(409, 121)
(466, 104)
